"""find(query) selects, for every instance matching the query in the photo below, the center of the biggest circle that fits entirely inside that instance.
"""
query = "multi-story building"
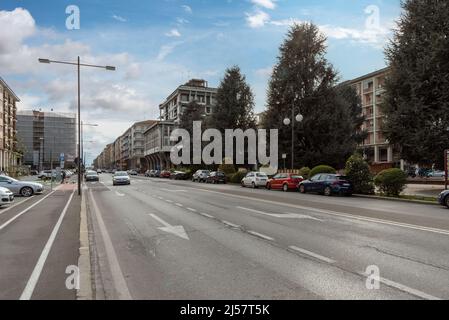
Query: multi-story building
(137, 145)
(194, 90)
(9, 157)
(377, 149)
(158, 145)
(45, 136)
(118, 164)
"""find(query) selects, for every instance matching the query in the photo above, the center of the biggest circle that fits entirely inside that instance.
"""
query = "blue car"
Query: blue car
(327, 184)
(443, 199)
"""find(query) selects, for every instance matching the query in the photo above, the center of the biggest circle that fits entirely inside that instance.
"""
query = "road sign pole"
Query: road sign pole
(446, 168)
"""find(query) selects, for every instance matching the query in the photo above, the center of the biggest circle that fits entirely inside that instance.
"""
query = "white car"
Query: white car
(121, 178)
(6, 197)
(437, 174)
(255, 180)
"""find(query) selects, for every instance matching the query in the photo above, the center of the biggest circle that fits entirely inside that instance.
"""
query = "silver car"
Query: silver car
(22, 188)
(121, 178)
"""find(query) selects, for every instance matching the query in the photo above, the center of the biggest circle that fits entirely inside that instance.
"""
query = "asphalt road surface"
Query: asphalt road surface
(161, 239)
(39, 240)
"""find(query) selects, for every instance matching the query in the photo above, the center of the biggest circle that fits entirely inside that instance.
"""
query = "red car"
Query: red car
(284, 181)
(165, 174)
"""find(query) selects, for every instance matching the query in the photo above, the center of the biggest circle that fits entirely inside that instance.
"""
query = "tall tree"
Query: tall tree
(417, 89)
(304, 80)
(235, 103)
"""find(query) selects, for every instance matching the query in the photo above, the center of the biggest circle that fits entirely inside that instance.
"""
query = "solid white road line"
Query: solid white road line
(312, 254)
(15, 205)
(117, 275)
(230, 224)
(31, 284)
(404, 288)
(260, 235)
(24, 211)
(337, 214)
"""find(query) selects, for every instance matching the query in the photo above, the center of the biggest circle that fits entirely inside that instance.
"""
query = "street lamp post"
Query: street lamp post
(78, 64)
(299, 118)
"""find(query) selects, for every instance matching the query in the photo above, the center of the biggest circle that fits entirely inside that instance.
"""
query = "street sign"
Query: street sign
(62, 157)
(284, 156)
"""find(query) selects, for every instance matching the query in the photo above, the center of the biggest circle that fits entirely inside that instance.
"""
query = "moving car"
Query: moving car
(327, 184)
(285, 182)
(6, 197)
(22, 188)
(92, 176)
(443, 199)
(255, 180)
(133, 173)
(200, 176)
(121, 178)
(216, 177)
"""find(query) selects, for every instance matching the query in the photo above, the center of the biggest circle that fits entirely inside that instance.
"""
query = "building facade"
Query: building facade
(377, 149)
(158, 145)
(45, 137)
(10, 159)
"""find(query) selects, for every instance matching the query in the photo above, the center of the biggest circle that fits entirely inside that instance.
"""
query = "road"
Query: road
(161, 239)
(39, 239)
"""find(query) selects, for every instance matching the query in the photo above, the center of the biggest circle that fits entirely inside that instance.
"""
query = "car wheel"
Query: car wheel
(302, 189)
(446, 201)
(254, 185)
(242, 184)
(327, 191)
(285, 188)
(26, 192)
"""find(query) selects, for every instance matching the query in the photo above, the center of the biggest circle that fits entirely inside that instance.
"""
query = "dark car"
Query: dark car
(327, 184)
(216, 177)
(443, 199)
(165, 174)
(178, 175)
(285, 182)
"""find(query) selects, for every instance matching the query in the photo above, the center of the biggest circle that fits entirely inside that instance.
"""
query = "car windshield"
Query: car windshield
(91, 173)
(121, 174)
(261, 175)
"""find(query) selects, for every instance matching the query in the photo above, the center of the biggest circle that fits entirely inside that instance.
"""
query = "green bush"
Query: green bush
(305, 172)
(358, 172)
(227, 169)
(238, 176)
(391, 182)
(321, 169)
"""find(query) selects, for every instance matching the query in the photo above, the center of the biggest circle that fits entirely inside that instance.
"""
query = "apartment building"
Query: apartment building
(194, 90)
(158, 145)
(376, 147)
(9, 157)
(137, 145)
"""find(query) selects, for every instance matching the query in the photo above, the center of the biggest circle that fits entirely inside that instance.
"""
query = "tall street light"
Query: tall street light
(79, 65)
(299, 118)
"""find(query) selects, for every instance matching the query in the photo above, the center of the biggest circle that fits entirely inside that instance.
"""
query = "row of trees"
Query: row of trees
(416, 107)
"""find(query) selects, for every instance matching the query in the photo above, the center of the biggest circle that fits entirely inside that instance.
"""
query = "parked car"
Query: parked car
(99, 171)
(133, 173)
(6, 197)
(22, 188)
(34, 172)
(200, 176)
(216, 177)
(121, 178)
(437, 174)
(443, 199)
(255, 180)
(92, 176)
(285, 182)
(47, 174)
(165, 174)
(178, 175)
(327, 184)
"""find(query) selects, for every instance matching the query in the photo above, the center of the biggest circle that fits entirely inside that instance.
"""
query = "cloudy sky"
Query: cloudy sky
(159, 44)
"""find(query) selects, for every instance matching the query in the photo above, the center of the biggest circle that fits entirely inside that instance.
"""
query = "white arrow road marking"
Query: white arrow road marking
(178, 231)
(281, 216)
(119, 194)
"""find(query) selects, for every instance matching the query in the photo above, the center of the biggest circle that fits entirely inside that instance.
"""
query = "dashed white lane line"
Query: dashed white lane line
(191, 209)
(312, 254)
(230, 224)
(404, 288)
(168, 201)
(34, 278)
(260, 235)
(179, 205)
(207, 215)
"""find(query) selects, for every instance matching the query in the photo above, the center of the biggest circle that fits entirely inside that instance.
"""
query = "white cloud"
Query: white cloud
(267, 4)
(166, 50)
(187, 9)
(173, 33)
(16, 26)
(257, 19)
(264, 72)
(119, 18)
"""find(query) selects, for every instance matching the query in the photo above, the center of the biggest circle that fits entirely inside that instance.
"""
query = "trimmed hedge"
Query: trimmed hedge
(358, 172)
(305, 172)
(238, 176)
(321, 169)
(391, 182)
(227, 169)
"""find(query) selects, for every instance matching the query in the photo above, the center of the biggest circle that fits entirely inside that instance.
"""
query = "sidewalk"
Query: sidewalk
(423, 190)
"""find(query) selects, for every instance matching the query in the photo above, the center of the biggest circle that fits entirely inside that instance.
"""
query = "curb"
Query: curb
(397, 199)
(85, 281)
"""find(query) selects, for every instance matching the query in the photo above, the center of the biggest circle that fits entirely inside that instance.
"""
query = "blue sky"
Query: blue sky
(159, 44)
